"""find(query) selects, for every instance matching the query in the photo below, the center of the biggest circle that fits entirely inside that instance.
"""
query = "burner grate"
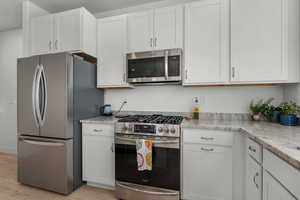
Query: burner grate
(153, 119)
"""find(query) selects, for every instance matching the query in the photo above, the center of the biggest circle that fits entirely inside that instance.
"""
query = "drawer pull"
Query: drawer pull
(205, 149)
(207, 138)
(252, 149)
(98, 130)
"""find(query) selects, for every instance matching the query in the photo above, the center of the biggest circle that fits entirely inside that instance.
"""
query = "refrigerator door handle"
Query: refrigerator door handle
(37, 95)
(34, 103)
(41, 143)
(45, 96)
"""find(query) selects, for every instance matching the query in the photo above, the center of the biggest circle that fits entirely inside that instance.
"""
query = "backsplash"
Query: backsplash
(174, 98)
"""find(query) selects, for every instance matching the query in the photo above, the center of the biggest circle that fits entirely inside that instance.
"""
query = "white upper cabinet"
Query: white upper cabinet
(70, 31)
(155, 29)
(42, 35)
(140, 31)
(264, 41)
(206, 42)
(112, 47)
(67, 30)
(168, 27)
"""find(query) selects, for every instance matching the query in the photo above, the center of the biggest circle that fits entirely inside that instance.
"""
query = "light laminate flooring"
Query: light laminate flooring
(10, 189)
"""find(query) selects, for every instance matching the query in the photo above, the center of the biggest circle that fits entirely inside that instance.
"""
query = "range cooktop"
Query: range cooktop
(153, 119)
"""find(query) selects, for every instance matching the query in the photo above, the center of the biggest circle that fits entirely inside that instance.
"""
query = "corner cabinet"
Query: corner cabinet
(156, 29)
(98, 155)
(264, 41)
(206, 47)
(273, 190)
(112, 47)
(69, 31)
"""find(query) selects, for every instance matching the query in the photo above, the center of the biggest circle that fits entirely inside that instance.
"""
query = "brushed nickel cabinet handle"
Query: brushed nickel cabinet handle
(151, 42)
(252, 149)
(98, 130)
(233, 72)
(50, 45)
(207, 138)
(205, 149)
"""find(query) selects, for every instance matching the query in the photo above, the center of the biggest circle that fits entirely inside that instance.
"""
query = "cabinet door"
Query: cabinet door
(112, 51)
(253, 180)
(207, 172)
(98, 160)
(273, 190)
(68, 31)
(257, 40)
(42, 35)
(168, 28)
(206, 42)
(140, 31)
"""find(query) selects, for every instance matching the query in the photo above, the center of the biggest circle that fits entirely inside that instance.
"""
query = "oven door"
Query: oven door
(165, 171)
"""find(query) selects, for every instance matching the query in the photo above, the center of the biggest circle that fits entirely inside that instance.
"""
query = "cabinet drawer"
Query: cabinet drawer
(211, 137)
(254, 150)
(98, 129)
(286, 174)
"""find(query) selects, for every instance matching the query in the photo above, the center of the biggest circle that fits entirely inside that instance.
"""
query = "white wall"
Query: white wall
(292, 93)
(10, 50)
(177, 98)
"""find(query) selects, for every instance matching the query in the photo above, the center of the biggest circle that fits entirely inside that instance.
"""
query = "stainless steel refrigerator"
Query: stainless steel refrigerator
(54, 93)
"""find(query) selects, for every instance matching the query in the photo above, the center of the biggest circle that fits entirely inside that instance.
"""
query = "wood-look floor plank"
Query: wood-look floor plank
(10, 189)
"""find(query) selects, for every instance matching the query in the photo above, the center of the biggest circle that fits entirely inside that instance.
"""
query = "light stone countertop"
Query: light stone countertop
(281, 140)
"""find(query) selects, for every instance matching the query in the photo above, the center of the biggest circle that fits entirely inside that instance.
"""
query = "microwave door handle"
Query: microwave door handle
(166, 65)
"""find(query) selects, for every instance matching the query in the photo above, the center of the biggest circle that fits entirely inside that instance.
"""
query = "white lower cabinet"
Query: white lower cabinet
(273, 190)
(207, 169)
(253, 180)
(98, 155)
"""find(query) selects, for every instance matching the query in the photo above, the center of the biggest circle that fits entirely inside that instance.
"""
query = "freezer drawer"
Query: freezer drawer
(46, 163)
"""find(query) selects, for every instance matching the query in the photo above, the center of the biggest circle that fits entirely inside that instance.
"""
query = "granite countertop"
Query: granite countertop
(100, 120)
(281, 140)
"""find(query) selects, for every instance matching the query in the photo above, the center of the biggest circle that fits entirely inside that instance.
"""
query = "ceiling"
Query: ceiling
(11, 10)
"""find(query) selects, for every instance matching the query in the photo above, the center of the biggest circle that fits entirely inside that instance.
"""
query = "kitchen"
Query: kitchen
(149, 64)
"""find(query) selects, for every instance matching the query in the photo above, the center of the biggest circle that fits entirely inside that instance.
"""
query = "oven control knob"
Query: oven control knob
(173, 130)
(160, 129)
(167, 130)
(125, 128)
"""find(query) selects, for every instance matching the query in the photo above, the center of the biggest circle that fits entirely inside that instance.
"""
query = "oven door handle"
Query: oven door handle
(154, 141)
(132, 188)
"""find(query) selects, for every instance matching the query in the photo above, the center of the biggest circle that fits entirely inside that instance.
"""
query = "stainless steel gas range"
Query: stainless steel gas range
(163, 181)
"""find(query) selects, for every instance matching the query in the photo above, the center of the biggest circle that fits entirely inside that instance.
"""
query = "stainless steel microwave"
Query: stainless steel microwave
(154, 66)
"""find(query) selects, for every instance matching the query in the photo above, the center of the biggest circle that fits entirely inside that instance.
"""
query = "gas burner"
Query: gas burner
(153, 119)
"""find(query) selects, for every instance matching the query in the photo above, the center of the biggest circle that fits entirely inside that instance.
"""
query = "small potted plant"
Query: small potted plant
(272, 113)
(289, 112)
(258, 108)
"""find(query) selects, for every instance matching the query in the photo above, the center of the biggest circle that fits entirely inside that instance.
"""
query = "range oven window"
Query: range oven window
(146, 67)
(165, 167)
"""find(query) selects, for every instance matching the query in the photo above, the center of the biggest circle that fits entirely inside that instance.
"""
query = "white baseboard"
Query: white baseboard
(101, 186)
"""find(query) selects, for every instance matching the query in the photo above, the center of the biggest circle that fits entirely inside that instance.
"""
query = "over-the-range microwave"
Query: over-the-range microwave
(155, 66)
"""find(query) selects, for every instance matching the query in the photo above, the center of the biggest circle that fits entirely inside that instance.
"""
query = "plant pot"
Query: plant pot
(288, 120)
(256, 117)
(275, 117)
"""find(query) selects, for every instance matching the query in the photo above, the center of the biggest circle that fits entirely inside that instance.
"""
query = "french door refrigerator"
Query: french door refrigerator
(54, 93)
